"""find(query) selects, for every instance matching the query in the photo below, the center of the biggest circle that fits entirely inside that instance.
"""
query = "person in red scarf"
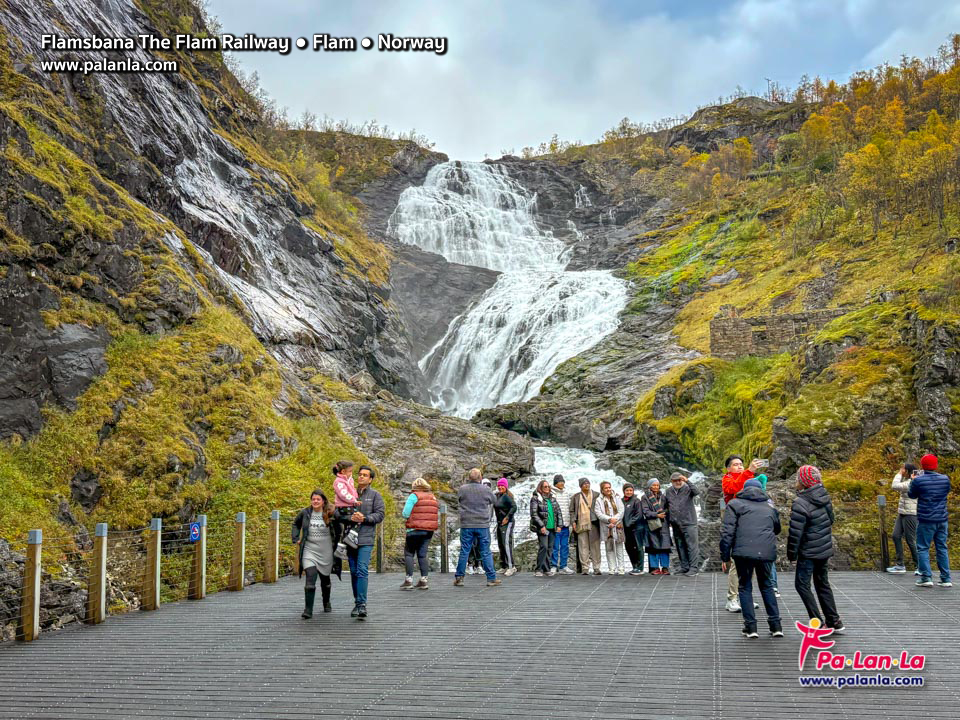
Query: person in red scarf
(733, 480)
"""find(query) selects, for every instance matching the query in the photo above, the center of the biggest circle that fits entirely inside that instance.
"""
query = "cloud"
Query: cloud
(515, 73)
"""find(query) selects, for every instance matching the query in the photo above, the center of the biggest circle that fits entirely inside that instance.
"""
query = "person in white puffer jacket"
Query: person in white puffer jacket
(905, 527)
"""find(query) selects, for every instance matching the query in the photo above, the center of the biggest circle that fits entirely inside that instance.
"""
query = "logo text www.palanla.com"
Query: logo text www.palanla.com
(815, 638)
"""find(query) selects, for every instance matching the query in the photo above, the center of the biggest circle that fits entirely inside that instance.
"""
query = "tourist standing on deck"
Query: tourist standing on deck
(422, 513)
(476, 504)
(370, 512)
(474, 564)
(316, 535)
(544, 519)
(505, 509)
(654, 508)
(632, 523)
(810, 543)
(749, 536)
(732, 483)
(609, 511)
(905, 528)
(583, 521)
(683, 522)
(561, 547)
(930, 490)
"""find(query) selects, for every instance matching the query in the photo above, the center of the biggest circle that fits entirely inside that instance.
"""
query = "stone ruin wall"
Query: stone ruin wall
(733, 336)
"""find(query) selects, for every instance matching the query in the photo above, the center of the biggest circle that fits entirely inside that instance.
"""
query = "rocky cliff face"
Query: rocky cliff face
(182, 154)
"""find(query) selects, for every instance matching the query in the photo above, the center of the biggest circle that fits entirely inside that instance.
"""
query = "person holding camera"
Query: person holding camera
(930, 490)
(733, 481)
(905, 527)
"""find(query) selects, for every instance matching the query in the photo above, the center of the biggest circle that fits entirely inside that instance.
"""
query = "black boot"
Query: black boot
(325, 594)
(308, 595)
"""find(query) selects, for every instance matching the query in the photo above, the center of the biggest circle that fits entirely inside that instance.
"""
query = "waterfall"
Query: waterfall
(534, 317)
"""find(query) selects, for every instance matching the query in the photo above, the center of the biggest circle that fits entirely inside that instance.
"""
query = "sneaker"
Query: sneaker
(636, 572)
(756, 606)
(553, 571)
(362, 612)
(898, 569)
(341, 552)
(327, 607)
(776, 592)
(407, 584)
(682, 571)
(838, 628)
(776, 633)
(733, 606)
(597, 572)
(567, 571)
(510, 571)
(692, 573)
(492, 583)
(917, 573)
(750, 633)
(458, 582)
(540, 574)
(924, 582)
(942, 583)
(422, 584)
(470, 570)
(355, 611)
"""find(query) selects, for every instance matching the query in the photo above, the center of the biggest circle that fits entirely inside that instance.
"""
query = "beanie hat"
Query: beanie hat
(752, 482)
(628, 485)
(502, 483)
(651, 481)
(809, 476)
(762, 479)
(928, 462)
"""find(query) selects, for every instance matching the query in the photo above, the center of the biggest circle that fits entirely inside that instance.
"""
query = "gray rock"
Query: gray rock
(85, 489)
(723, 278)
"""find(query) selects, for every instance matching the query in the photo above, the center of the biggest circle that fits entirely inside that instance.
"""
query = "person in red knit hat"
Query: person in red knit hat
(810, 544)
(732, 483)
(930, 489)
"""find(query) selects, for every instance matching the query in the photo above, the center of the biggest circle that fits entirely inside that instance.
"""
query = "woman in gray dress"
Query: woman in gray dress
(315, 533)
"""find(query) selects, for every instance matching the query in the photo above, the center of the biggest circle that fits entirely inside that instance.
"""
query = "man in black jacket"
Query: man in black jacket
(683, 522)
(749, 536)
(810, 543)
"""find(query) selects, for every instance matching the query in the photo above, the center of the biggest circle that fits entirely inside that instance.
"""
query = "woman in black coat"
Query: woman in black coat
(545, 518)
(316, 535)
(810, 544)
(652, 506)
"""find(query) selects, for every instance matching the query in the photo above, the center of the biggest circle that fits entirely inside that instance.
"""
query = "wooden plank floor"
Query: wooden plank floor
(565, 647)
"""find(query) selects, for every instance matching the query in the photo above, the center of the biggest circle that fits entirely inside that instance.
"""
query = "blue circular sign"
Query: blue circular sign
(194, 532)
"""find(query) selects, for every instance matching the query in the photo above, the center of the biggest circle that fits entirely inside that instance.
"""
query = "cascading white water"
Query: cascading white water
(474, 214)
(534, 317)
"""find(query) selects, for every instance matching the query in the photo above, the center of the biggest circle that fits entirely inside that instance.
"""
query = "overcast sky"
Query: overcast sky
(517, 72)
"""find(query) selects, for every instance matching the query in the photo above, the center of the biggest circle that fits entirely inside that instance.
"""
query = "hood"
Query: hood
(817, 495)
(753, 493)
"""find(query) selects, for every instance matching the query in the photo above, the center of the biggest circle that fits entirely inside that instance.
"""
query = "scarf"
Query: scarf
(583, 512)
(609, 508)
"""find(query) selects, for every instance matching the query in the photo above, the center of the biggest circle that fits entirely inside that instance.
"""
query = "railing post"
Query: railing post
(271, 569)
(380, 537)
(444, 549)
(30, 597)
(198, 576)
(97, 582)
(884, 547)
(151, 578)
(239, 548)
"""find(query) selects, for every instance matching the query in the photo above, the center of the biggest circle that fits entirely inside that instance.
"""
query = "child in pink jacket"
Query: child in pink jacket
(346, 502)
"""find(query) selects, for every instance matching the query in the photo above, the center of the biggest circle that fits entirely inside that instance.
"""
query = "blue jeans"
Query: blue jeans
(659, 559)
(561, 549)
(937, 534)
(481, 537)
(359, 560)
(764, 569)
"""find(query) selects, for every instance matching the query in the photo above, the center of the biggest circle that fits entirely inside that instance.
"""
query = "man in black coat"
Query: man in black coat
(749, 536)
(810, 543)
